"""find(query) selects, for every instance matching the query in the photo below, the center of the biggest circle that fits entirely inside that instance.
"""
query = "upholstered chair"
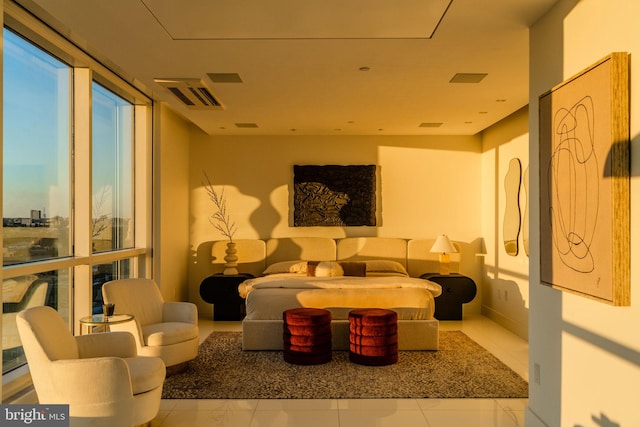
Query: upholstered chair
(99, 376)
(168, 330)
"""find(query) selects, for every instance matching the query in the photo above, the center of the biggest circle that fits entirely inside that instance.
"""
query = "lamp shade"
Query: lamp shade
(443, 245)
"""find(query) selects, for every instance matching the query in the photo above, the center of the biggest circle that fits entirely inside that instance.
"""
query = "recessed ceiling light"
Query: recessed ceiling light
(246, 125)
(468, 78)
(430, 125)
(225, 77)
(501, 100)
(483, 112)
(364, 68)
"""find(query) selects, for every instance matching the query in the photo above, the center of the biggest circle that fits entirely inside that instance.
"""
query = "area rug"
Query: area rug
(461, 368)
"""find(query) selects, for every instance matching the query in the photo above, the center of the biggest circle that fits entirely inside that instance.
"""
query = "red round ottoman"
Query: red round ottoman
(373, 336)
(307, 336)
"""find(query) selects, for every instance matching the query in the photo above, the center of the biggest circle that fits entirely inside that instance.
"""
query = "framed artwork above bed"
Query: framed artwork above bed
(334, 195)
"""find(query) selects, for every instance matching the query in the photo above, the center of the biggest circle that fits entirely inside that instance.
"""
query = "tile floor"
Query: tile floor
(511, 349)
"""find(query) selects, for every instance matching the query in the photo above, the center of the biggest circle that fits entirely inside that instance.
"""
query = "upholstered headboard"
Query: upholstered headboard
(303, 248)
(255, 255)
(363, 248)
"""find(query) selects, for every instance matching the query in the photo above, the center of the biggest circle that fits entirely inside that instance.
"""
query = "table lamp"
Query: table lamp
(444, 247)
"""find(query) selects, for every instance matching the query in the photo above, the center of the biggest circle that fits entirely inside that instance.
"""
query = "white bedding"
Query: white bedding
(267, 297)
(302, 281)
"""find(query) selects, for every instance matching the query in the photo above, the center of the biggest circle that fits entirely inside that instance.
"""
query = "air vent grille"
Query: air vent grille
(468, 78)
(192, 93)
(177, 92)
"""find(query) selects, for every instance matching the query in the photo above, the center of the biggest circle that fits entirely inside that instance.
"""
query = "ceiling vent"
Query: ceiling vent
(247, 125)
(468, 78)
(192, 93)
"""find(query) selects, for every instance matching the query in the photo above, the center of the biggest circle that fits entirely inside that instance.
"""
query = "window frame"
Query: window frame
(86, 70)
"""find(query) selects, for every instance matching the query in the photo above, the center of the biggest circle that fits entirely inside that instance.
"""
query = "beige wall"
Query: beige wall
(427, 186)
(588, 353)
(505, 297)
(171, 211)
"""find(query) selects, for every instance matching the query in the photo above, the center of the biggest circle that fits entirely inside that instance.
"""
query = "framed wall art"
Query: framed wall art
(512, 214)
(334, 195)
(584, 183)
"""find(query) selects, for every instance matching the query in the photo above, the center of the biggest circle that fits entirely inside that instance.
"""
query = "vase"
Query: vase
(231, 260)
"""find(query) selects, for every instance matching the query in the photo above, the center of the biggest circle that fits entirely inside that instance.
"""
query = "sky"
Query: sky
(37, 135)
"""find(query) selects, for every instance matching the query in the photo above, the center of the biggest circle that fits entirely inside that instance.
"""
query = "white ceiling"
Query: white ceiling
(300, 61)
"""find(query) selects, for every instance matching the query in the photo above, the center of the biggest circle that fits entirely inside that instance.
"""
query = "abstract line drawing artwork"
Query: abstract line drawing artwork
(584, 183)
(334, 195)
(573, 171)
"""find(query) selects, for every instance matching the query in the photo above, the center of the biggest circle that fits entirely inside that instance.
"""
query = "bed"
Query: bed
(339, 275)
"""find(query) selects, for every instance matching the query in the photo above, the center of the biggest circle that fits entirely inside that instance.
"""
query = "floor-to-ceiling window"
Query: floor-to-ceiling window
(112, 221)
(75, 179)
(36, 202)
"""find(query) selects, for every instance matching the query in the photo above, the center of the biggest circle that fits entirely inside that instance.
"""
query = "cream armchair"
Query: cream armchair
(98, 376)
(168, 330)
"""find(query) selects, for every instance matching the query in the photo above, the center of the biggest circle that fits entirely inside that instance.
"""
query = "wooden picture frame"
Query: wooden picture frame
(584, 183)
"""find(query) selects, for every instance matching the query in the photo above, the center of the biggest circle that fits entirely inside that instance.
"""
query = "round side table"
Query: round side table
(101, 320)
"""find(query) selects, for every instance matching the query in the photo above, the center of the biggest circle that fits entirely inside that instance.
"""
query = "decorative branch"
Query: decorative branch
(220, 218)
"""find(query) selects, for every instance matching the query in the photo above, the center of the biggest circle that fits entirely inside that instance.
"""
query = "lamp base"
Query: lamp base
(444, 264)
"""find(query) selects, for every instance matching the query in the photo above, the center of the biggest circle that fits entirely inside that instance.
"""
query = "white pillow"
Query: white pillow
(286, 267)
(329, 269)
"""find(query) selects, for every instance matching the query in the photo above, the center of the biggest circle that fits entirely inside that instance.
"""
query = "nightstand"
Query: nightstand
(456, 290)
(222, 291)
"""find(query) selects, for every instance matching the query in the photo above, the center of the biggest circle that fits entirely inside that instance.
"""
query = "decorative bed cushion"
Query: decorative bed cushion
(324, 269)
(296, 266)
(329, 269)
(376, 267)
(352, 268)
(311, 268)
(332, 268)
